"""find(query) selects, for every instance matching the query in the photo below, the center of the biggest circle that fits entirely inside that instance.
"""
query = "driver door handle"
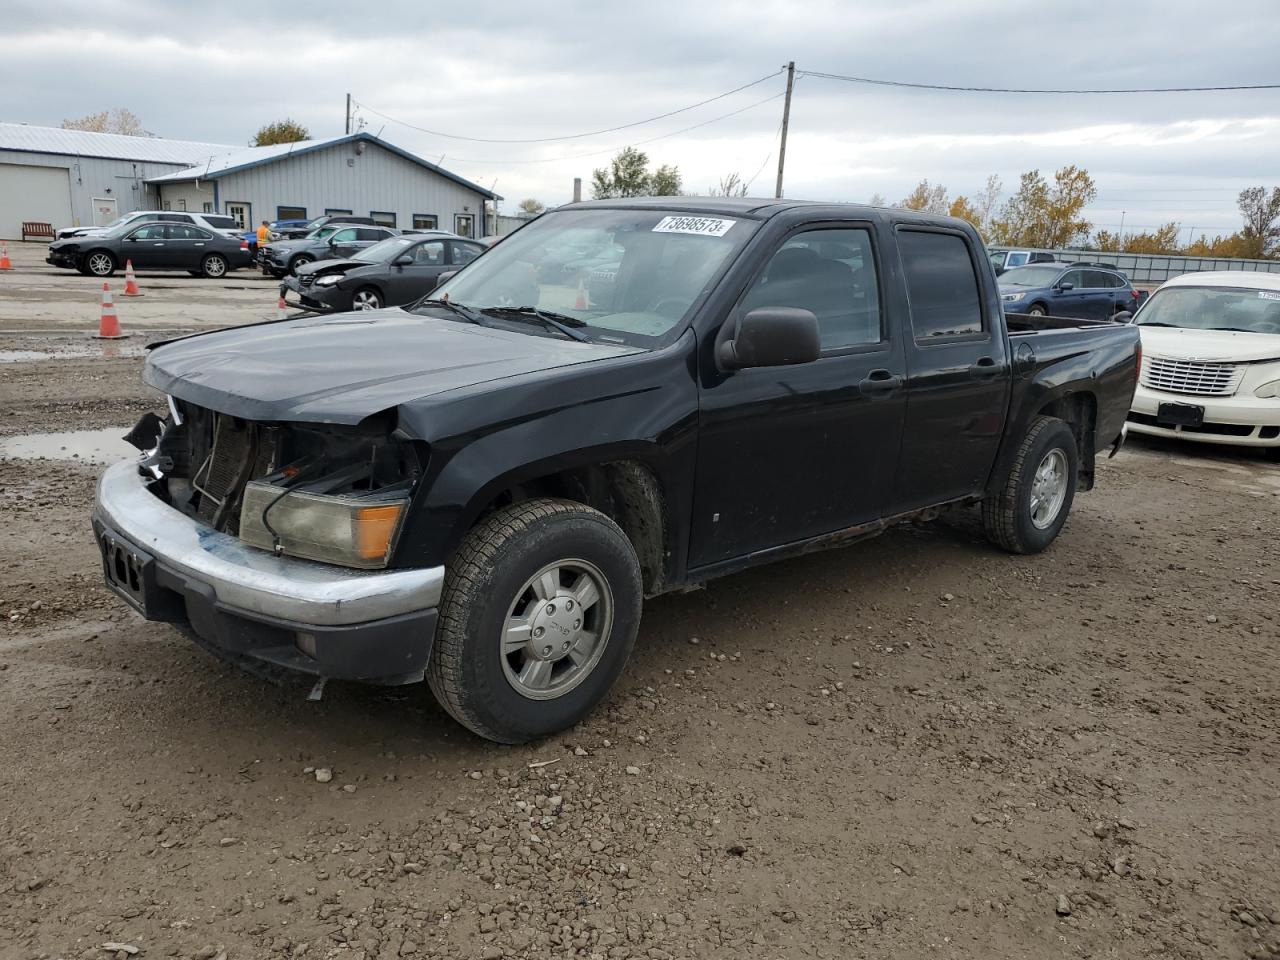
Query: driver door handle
(879, 383)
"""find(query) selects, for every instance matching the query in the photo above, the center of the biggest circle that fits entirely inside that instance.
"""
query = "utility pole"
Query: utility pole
(786, 119)
(348, 114)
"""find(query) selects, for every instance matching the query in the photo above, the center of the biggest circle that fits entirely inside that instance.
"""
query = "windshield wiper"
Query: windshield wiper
(461, 310)
(1157, 323)
(554, 321)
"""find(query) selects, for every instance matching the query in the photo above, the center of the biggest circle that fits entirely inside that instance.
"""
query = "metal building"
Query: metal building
(76, 178)
(358, 174)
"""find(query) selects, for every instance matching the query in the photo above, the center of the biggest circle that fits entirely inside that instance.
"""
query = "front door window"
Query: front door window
(241, 214)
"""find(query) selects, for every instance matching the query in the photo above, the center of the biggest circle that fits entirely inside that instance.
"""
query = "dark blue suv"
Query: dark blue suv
(1085, 290)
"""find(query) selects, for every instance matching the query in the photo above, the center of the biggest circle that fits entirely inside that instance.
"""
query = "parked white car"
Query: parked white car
(219, 223)
(1211, 360)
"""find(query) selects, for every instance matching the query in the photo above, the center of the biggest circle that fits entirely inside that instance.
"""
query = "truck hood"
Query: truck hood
(348, 366)
(1178, 343)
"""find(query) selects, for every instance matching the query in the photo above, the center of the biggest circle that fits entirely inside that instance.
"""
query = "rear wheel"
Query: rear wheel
(539, 614)
(99, 263)
(214, 266)
(1027, 513)
(299, 260)
(366, 298)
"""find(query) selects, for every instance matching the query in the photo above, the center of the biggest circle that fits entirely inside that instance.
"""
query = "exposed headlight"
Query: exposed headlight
(272, 235)
(1012, 297)
(328, 280)
(351, 531)
(1268, 390)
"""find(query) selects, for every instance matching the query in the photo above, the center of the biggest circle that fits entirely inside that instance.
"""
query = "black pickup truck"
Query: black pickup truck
(481, 489)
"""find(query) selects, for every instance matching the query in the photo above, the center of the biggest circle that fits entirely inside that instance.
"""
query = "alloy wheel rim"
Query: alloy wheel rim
(100, 264)
(556, 629)
(1048, 489)
(366, 300)
(216, 267)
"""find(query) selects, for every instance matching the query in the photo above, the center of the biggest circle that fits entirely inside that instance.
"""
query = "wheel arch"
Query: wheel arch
(1079, 410)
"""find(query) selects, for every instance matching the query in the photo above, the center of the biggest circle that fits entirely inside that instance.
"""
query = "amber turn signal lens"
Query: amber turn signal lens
(374, 528)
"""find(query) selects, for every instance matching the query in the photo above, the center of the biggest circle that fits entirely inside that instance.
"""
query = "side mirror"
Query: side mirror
(403, 260)
(1066, 285)
(447, 275)
(772, 337)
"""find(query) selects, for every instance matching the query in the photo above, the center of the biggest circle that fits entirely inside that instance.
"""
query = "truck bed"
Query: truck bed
(1024, 323)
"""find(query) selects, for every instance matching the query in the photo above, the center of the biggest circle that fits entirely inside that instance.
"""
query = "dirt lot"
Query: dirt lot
(913, 747)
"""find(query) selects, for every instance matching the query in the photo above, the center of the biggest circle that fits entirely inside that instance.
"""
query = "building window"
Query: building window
(382, 218)
(335, 212)
(166, 206)
(464, 224)
(426, 221)
(291, 213)
(182, 203)
(208, 207)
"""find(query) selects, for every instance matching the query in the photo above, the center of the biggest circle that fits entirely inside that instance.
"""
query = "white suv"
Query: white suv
(1211, 360)
(210, 221)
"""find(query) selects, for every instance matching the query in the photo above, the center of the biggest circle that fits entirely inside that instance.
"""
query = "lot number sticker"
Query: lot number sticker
(702, 226)
(1268, 295)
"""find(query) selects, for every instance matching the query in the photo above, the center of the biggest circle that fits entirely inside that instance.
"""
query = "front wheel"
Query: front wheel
(1037, 310)
(366, 298)
(300, 260)
(539, 613)
(99, 263)
(214, 266)
(1027, 513)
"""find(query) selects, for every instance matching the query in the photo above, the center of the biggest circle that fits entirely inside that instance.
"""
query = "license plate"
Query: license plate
(126, 569)
(1180, 415)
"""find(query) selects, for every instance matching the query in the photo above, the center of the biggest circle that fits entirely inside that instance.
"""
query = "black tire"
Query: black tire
(1037, 310)
(298, 261)
(1007, 513)
(98, 263)
(367, 298)
(468, 672)
(214, 266)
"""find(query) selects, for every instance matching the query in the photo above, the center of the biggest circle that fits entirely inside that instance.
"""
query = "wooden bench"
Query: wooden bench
(34, 228)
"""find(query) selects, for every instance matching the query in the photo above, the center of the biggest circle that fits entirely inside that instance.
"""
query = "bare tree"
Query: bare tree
(120, 121)
(729, 186)
(531, 207)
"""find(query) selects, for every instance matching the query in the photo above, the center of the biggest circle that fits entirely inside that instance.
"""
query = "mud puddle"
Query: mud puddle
(105, 351)
(77, 446)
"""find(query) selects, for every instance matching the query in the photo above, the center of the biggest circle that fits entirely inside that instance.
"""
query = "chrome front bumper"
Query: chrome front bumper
(253, 581)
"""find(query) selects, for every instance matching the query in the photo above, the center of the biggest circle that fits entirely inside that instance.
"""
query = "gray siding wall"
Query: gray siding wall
(377, 179)
(194, 194)
(93, 176)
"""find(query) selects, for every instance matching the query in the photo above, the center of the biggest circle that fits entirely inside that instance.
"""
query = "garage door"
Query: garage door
(33, 193)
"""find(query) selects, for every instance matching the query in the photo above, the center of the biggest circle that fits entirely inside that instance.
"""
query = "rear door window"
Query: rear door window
(465, 252)
(942, 285)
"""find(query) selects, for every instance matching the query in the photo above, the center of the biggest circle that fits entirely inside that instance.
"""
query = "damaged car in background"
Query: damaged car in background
(480, 490)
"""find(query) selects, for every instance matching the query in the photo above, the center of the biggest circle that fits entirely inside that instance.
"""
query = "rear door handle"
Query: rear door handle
(879, 383)
(983, 369)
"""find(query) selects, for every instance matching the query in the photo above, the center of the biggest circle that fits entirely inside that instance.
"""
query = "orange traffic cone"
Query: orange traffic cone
(5, 262)
(282, 309)
(581, 302)
(130, 281)
(109, 325)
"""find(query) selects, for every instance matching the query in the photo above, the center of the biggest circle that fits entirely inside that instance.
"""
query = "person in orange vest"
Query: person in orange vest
(264, 235)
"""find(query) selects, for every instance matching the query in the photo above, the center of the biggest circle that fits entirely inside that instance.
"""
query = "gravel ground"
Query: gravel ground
(915, 746)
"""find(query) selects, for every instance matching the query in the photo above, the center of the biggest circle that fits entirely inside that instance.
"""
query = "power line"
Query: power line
(957, 89)
(767, 157)
(615, 149)
(575, 136)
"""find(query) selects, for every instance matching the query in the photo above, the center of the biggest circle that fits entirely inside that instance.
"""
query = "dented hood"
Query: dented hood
(345, 367)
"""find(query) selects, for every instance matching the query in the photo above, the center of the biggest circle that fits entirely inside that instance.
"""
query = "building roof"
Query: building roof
(244, 158)
(112, 146)
(1249, 279)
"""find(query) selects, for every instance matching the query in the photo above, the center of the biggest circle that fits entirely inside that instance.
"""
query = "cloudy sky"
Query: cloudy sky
(507, 71)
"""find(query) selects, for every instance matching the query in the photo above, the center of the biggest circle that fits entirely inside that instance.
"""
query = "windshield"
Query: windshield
(1030, 276)
(1213, 308)
(625, 276)
(385, 250)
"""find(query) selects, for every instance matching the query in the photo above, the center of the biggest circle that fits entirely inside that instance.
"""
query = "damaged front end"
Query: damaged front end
(330, 493)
